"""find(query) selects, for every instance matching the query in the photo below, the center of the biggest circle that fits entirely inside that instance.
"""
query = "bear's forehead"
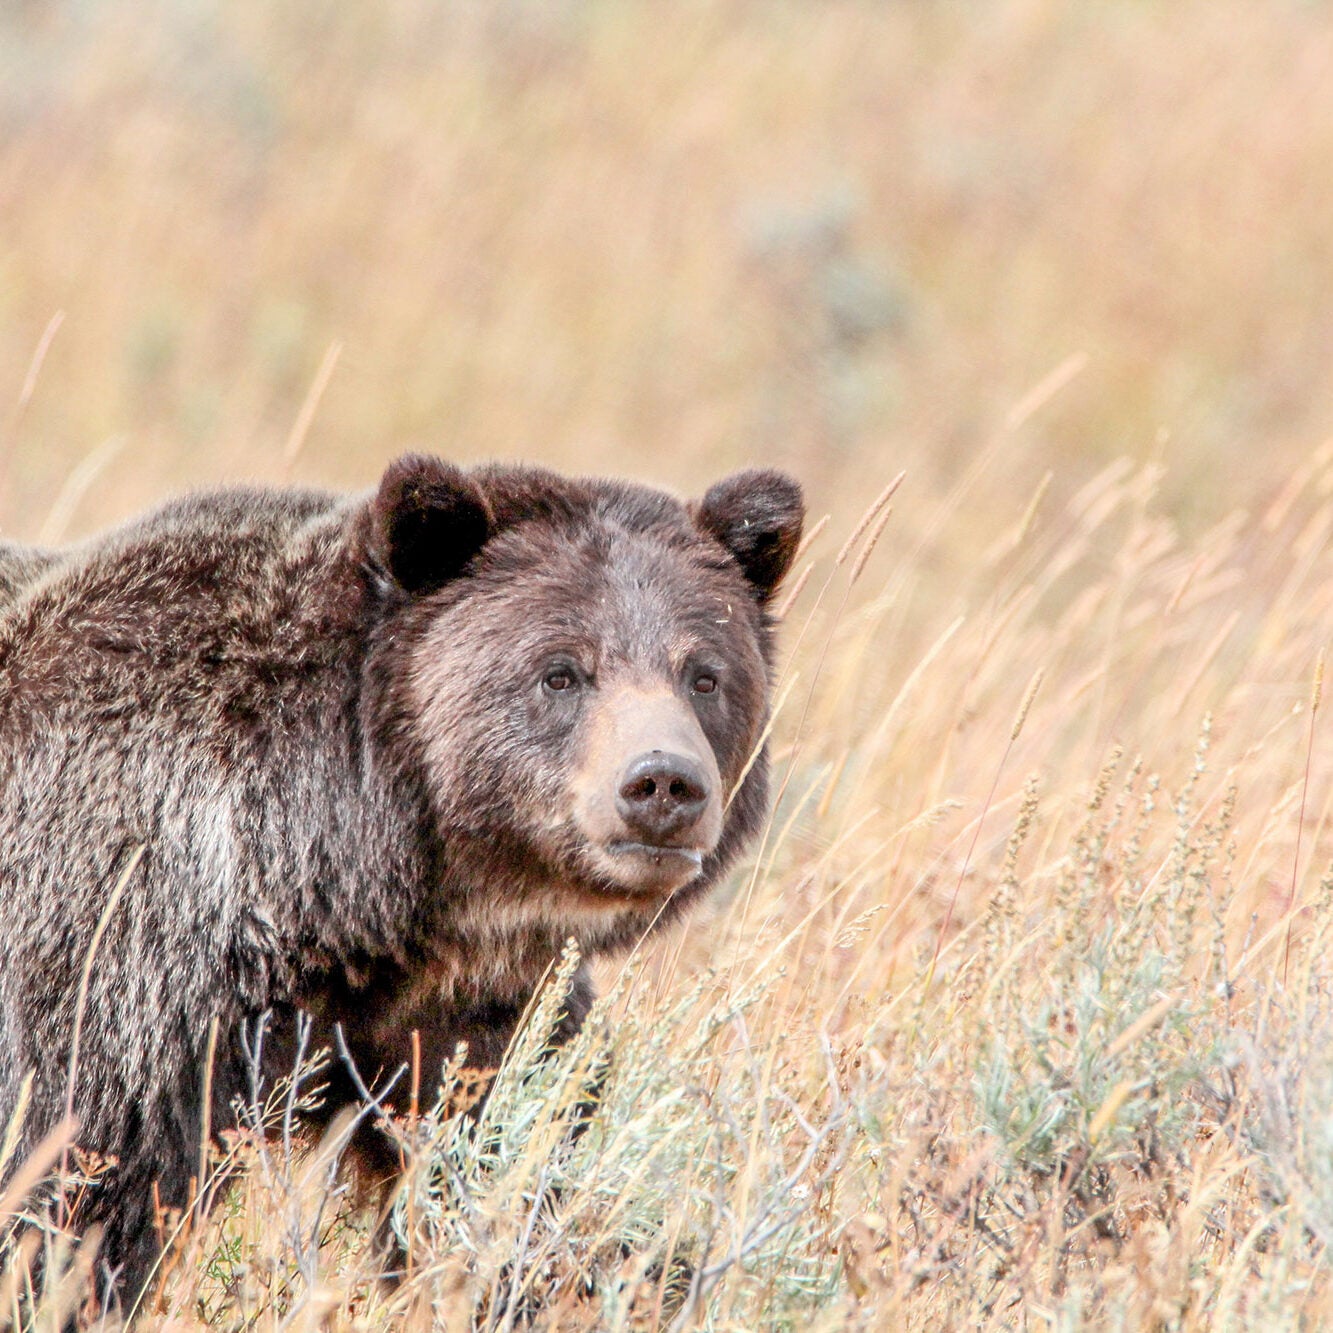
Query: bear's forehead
(622, 591)
(590, 558)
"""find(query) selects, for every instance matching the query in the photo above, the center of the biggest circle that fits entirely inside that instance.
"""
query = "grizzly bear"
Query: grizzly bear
(370, 759)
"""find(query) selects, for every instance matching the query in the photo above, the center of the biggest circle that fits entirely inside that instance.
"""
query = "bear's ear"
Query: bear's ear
(426, 522)
(757, 515)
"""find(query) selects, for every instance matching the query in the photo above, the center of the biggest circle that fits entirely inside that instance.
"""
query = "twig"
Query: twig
(1014, 733)
(1315, 694)
(81, 1003)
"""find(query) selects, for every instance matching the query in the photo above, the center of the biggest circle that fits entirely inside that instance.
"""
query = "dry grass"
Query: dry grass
(1020, 1016)
(1001, 1027)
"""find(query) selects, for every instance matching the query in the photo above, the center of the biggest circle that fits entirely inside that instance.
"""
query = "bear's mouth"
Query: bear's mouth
(648, 869)
(657, 854)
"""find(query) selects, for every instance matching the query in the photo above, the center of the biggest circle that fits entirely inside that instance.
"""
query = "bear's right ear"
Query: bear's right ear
(426, 522)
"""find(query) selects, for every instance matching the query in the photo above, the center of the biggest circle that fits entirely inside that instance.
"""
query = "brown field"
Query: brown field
(1022, 1014)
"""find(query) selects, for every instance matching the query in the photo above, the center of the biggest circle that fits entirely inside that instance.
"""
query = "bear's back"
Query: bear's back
(202, 528)
(224, 575)
(20, 566)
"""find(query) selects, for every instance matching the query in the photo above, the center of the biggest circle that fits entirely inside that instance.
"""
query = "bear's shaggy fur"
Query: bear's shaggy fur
(382, 756)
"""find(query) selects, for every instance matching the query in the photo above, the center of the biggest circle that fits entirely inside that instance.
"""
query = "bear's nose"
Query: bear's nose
(662, 795)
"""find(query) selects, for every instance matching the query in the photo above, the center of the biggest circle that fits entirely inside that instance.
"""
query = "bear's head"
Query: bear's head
(577, 673)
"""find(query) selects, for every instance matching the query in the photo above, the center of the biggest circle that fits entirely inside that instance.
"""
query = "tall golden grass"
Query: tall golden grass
(1019, 1016)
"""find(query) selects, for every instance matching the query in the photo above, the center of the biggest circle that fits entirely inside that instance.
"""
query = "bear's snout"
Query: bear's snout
(648, 796)
(662, 796)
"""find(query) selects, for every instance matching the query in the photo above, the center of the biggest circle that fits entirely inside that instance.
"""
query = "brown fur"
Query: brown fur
(329, 723)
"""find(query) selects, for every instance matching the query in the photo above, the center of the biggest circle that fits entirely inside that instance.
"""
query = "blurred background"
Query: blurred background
(982, 242)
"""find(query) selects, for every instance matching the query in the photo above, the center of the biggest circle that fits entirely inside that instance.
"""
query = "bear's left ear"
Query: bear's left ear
(757, 516)
(427, 520)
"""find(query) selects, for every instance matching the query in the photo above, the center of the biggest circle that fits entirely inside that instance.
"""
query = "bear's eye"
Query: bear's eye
(704, 683)
(558, 679)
